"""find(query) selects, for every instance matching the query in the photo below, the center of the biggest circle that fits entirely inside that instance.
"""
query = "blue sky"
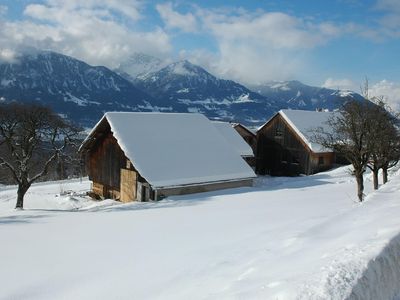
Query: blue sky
(332, 43)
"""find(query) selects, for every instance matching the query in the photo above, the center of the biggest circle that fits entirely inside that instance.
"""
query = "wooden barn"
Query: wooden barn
(147, 156)
(236, 141)
(285, 146)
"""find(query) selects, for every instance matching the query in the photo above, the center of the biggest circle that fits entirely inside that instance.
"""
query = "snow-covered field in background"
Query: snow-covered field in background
(285, 238)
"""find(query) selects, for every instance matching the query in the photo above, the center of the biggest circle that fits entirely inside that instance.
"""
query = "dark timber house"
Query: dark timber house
(147, 156)
(285, 146)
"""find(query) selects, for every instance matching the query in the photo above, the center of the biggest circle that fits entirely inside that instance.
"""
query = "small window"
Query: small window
(321, 160)
(128, 164)
(279, 130)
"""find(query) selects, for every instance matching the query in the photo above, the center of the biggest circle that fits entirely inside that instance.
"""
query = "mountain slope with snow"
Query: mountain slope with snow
(193, 89)
(139, 64)
(286, 238)
(296, 95)
(72, 87)
(144, 83)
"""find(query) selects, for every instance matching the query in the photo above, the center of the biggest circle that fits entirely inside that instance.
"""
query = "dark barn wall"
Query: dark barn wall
(280, 151)
(105, 161)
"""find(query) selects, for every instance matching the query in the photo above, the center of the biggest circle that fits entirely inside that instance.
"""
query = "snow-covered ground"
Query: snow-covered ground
(285, 238)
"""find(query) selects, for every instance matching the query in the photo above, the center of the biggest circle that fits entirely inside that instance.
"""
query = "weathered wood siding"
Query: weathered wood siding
(104, 161)
(322, 161)
(280, 151)
(128, 185)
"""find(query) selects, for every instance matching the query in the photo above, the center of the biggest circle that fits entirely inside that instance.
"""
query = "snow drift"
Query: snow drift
(285, 238)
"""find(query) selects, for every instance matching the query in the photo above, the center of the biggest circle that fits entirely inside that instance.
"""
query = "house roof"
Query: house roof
(250, 131)
(304, 123)
(172, 149)
(234, 138)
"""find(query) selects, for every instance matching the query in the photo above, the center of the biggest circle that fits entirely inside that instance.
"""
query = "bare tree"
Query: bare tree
(348, 136)
(384, 140)
(31, 139)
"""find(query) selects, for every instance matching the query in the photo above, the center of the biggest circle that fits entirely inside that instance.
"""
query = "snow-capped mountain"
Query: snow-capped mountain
(83, 93)
(71, 87)
(191, 88)
(139, 64)
(296, 95)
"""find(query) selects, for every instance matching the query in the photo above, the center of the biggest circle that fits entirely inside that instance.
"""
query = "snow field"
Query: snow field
(285, 238)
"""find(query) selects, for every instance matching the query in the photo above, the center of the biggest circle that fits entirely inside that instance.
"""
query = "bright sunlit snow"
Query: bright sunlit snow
(285, 238)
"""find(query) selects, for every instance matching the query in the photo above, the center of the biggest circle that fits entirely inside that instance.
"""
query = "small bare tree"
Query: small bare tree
(31, 139)
(348, 136)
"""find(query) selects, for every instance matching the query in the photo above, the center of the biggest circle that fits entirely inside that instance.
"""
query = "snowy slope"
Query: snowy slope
(296, 95)
(139, 64)
(70, 86)
(190, 88)
(287, 238)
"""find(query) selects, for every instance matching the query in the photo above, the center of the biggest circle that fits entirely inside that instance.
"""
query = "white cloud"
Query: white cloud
(277, 30)
(341, 84)
(3, 10)
(388, 5)
(7, 55)
(261, 46)
(390, 21)
(128, 8)
(389, 90)
(94, 31)
(173, 19)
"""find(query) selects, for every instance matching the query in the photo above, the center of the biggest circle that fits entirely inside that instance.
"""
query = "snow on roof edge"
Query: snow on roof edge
(294, 127)
(309, 144)
(92, 131)
(259, 128)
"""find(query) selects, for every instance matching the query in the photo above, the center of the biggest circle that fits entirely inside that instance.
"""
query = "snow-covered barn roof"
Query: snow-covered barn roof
(304, 123)
(234, 138)
(174, 149)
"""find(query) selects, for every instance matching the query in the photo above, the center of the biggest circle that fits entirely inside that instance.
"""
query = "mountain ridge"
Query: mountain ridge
(83, 92)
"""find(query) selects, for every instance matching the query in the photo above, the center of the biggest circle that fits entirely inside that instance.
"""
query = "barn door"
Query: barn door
(128, 185)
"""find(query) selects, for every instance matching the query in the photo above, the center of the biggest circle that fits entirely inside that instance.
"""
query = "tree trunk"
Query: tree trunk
(385, 174)
(375, 178)
(360, 186)
(22, 189)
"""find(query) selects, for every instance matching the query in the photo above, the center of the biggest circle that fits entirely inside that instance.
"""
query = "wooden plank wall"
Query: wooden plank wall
(286, 153)
(105, 160)
(283, 153)
(128, 185)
